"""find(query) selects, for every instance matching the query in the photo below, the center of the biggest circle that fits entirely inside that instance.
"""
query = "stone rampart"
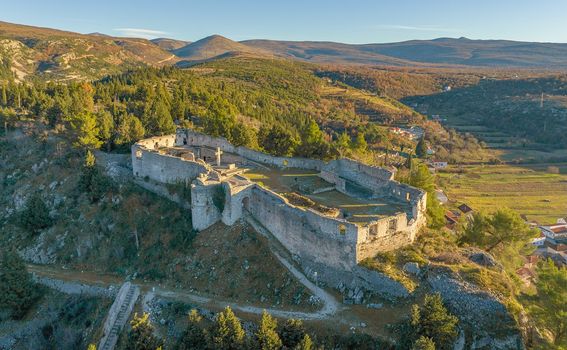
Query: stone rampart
(321, 243)
(193, 138)
(304, 232)
(149, 161)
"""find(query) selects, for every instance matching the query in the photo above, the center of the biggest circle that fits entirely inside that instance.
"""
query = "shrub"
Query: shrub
(35, 216)
(18, 293)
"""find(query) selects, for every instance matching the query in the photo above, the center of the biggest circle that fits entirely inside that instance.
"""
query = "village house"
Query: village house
(553, 242)
(452, 217)
(438, 164)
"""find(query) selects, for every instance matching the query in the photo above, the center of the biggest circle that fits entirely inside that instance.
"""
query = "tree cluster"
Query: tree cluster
(18, 293)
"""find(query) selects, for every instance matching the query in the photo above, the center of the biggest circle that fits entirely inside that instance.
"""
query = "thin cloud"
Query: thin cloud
(422, 28)
(140, 32)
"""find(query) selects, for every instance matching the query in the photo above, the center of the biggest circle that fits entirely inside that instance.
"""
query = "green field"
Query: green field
(530, 190)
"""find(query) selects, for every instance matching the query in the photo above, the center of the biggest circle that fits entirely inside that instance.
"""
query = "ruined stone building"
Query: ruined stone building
(341, 212)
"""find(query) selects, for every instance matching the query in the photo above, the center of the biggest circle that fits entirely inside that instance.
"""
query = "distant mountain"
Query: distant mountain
(169, 44)
(443, 51)
(215, 45)
(56, 54)
(99, 34)
(59, 55)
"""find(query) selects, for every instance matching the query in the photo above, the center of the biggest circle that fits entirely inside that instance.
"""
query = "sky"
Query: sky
(348, 21)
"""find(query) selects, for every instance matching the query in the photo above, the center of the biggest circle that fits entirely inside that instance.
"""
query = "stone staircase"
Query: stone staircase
(118, 315)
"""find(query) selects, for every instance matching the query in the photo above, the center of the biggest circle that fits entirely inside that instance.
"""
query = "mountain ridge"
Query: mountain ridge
(55, 54)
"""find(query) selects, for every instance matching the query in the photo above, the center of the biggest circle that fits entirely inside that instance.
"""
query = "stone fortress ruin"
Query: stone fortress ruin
(328, 215)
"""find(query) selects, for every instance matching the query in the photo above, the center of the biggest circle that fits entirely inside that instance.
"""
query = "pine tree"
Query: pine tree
(85, 130)
(292, 333)
(4, 100)
(18, 293)
(421, 148)
(360, 144)
(92, 181)
(424, 343)
(434, 321)
(305, 344)
(227, 332)
(194, 336)
(549, 309)
(105, 124)
(267, 337)
(343, 143)
(141, 336)
(35, 215)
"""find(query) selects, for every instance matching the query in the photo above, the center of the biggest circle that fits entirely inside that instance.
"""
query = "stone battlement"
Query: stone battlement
(222, 193)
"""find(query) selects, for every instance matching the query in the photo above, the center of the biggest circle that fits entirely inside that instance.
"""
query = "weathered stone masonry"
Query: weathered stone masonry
(222, 194)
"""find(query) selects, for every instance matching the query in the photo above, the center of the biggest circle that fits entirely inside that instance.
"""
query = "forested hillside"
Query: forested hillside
(520, 112)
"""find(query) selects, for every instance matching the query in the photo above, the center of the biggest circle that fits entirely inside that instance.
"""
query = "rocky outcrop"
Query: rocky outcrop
(483, 317)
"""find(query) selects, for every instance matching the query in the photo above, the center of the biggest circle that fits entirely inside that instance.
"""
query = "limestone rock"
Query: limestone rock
(482, 258)
(412, 267)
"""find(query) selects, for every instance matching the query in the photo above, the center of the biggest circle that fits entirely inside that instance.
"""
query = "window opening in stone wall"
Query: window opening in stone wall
(342, 229)
(392, 225)
(374, 230)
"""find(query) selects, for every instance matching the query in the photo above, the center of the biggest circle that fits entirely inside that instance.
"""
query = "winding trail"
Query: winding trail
(330, 305)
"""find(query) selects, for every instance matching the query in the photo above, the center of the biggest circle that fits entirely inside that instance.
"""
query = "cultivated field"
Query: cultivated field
(533, 190)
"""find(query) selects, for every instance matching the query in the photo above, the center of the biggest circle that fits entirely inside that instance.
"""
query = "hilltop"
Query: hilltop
(213, 46)
(169, 44)
(60, 55)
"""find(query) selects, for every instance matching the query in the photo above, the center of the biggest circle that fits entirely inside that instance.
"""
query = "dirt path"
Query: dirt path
(167, 59)
(330, 306)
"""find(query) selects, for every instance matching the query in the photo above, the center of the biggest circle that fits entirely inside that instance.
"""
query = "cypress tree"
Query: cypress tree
(421, 148)
(4, 96)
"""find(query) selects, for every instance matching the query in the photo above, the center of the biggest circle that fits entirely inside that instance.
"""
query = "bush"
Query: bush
(18, 293)
(432, 320)
(35, 216)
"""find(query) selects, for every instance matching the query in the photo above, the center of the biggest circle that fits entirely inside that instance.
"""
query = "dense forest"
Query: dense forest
(280, 107)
